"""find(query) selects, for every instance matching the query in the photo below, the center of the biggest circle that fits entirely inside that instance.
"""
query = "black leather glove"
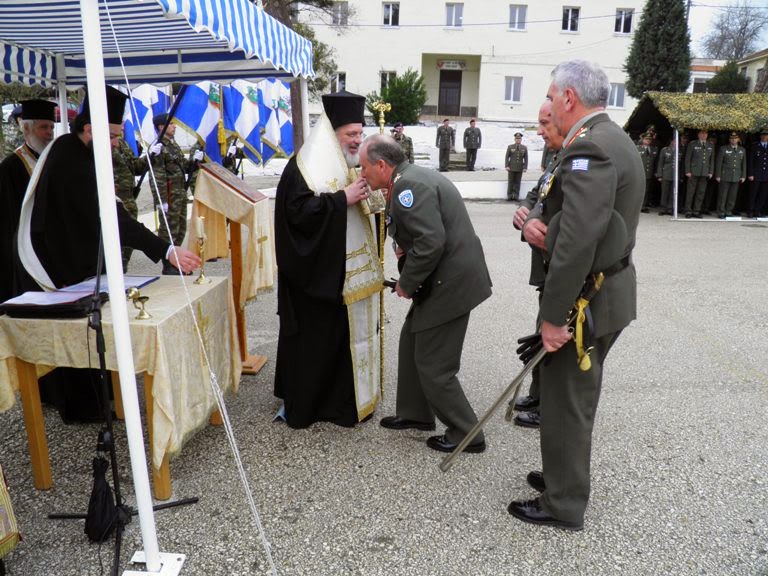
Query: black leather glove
(529, 347)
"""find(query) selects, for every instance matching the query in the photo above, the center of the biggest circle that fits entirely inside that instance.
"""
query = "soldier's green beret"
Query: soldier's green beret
(610, 249)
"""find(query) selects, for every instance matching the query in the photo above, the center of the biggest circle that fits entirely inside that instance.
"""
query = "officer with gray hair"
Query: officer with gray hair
(598, 181)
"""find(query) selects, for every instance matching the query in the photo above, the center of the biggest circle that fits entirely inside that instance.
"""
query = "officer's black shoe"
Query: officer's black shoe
(689, 214)
(528, 419)
(721, 216)
(397, 423)
(526, 403)
(535, 480)
(442, 444)
(530, 511)
(644, 210)
(697, 215)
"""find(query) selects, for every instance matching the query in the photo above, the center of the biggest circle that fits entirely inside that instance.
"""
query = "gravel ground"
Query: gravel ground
(679, 462)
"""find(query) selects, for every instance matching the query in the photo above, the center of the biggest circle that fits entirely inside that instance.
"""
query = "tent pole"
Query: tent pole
(61, 73)
(89, 10)
(304, 107)
(676, 192)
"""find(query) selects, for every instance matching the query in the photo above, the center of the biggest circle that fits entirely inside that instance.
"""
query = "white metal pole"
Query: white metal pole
(676, 149)
(304, 107)
(89, 10)
(61, 76)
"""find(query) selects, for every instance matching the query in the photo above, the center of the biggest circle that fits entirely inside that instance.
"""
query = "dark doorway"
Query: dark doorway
(449, 100)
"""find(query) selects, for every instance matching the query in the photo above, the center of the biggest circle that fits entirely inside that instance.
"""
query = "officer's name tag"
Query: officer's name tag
(580, 164)
(406, 198)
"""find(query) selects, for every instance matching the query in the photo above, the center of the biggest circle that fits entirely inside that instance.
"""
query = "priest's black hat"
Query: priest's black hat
(344, 108)
(38, 110)
(115, 106)
(160, 120)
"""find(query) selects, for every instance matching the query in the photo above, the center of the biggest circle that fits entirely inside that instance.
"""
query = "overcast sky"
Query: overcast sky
(703, 12)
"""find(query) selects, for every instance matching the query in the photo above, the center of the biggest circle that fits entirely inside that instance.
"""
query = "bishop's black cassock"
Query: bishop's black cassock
(313, 374)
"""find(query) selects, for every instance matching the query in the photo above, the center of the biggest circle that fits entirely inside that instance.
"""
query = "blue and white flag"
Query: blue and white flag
(242, 116)
(147, 102)
(271, 137)
(199, 113)
(278, 132)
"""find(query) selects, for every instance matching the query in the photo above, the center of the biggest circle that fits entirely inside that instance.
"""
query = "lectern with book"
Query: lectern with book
(222, 198)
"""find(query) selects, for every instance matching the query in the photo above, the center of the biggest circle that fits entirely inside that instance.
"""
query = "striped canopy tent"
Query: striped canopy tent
(162, 41)
(70, 42)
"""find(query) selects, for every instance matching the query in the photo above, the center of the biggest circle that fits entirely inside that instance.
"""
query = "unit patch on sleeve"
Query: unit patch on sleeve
(406, 198)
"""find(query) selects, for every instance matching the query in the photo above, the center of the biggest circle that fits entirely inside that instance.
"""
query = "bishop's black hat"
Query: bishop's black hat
(38, 110)
(115, 106)
(344, 108)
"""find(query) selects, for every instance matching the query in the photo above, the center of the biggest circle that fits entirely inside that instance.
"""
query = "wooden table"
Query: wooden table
(166, 350)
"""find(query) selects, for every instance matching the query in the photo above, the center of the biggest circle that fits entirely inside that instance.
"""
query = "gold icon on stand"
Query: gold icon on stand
(139, 302)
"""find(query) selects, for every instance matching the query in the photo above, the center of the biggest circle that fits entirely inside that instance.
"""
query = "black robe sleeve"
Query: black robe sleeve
(13, 184)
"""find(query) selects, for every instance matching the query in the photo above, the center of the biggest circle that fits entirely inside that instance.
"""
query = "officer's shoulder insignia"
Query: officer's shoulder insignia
(406, 198)
(397, 177)
(580, 164)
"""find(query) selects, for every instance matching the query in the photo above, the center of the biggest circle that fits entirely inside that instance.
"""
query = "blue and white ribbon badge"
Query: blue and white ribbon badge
(406, 198)
(580, 164)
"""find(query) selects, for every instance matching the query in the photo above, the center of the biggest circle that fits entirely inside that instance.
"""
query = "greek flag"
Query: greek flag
(242, 116)
(278, 132)
(147, 101)
(199, 113)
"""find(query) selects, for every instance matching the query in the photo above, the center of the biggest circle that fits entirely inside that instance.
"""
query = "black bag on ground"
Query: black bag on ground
(102, 512)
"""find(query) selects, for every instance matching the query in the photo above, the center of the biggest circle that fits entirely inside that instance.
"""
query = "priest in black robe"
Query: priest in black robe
(314, 371)
(37, 117)
(64, 233)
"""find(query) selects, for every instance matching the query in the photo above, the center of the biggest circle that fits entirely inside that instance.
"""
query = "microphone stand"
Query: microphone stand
(105, 441)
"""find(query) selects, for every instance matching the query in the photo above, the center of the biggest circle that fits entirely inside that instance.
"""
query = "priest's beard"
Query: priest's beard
(37, 144)
(352, 159)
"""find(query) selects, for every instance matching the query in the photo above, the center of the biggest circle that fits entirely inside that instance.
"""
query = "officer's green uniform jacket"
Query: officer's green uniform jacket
(406, 144)
(731, 163)
(666, 167)
(429, 221)
(700, 159)
(473, 138)
(598, 172)
(648, 156)
(446, 137)
(516, 158)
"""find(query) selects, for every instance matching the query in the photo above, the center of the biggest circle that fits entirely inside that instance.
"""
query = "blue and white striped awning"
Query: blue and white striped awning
(160, 41)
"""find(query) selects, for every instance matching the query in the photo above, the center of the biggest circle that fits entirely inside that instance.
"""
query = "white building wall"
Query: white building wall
(486, 45)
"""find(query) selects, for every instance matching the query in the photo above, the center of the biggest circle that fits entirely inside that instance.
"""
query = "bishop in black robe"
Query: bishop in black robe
(313, 375)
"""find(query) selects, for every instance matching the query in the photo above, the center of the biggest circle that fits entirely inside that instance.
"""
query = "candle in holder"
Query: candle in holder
(200, 226)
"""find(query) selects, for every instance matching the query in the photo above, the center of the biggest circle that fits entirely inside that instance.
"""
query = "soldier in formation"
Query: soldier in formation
(125, 167)
(648, 154)
(446, 143)
(699, 167)
(730, 171)
(405, 141)
(665, 174)
(516, 162)
(473, 139)
(757, 174)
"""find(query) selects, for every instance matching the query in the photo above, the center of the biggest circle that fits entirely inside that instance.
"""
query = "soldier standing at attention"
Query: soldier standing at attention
(648, 156)
(598, 179)
(516, 162)
(699, 167)
(168, 165)
(405, 141)
(445, 142)
(665, 173)
(125, 166)
(473, 139)
(731, 170)
(758, 176)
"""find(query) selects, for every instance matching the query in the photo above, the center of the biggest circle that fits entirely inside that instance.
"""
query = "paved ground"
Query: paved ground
(680, 472)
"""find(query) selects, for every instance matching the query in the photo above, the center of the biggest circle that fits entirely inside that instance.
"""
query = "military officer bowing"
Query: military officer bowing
(598, 177)
(445, 275)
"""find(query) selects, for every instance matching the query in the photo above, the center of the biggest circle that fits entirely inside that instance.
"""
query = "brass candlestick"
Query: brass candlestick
(139, 302)
(380, 106)
(202, 279)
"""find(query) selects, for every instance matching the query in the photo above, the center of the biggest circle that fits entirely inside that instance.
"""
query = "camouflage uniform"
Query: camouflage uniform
(406, 144)
(125, 166)
(193, 166)
(170, 173)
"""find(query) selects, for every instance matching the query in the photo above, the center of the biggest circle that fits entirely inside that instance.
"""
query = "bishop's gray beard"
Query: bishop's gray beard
(352, 159)
(36, 143)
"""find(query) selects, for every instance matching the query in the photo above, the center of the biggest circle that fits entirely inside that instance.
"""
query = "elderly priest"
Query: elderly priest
(328, 273)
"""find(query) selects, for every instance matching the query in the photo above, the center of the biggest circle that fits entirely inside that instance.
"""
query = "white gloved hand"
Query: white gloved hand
(156, 148)
(165, 207)
(198, 155)
(232, 150)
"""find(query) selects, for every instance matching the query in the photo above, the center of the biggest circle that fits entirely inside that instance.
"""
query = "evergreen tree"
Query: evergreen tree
(407, 95)
(728, 80)
(660, 55)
